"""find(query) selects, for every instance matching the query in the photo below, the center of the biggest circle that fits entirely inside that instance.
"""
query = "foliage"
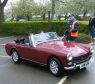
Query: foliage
(28, 8)
(75, 6)
(22, 28)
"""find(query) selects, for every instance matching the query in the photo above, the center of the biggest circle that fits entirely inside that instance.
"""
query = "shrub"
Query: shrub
(22, 28)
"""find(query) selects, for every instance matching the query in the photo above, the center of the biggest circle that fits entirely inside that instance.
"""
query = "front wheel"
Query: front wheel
(55, 67)
(16, 57)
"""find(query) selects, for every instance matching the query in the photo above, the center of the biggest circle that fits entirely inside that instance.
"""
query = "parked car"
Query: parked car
(49, 50)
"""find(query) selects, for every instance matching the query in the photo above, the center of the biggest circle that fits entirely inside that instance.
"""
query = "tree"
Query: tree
(23, 9)
(75, 7)
(29, 8)
(42, 9)
(2, 5)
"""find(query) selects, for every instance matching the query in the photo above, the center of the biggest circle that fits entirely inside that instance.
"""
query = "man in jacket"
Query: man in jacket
(92, 28)
(71, 32)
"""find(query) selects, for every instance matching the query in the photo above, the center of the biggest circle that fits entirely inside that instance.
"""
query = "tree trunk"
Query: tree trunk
(44, 16)
(84, 14)
(66, 17)
(53, 9)
(49, 22)
(28, 18)
(59, 17)
(1, 14)
(2, 5)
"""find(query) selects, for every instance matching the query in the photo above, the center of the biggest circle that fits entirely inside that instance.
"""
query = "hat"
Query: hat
(71, 15)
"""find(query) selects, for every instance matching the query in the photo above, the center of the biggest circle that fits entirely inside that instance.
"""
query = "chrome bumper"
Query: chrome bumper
(77, 66)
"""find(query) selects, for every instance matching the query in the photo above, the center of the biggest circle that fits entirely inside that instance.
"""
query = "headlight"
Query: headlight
(69, 56)
(91, 49)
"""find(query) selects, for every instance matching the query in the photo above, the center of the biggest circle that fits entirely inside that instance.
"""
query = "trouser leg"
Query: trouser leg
(92, 32)
(93, 39)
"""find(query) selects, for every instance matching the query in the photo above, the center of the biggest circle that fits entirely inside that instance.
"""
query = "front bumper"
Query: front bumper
(75, 66)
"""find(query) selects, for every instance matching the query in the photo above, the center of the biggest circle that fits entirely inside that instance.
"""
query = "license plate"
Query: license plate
(83, 65)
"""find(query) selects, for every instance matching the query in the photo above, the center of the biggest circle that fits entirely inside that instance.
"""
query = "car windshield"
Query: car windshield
(45, 37)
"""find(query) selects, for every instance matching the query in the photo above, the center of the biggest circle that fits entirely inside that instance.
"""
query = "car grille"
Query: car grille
(81, 59)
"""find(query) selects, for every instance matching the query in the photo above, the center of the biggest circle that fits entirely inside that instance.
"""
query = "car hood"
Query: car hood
(76, 49)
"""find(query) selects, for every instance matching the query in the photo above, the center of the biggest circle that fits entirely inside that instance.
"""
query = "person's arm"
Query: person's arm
(66, 32)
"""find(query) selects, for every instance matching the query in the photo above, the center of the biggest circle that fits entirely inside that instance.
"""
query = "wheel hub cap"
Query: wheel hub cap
(15, 56)
(54, 67)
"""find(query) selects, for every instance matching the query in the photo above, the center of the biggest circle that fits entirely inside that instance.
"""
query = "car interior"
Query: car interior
(22, 41)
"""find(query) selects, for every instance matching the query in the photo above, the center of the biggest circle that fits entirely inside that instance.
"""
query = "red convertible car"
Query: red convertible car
(48, 49)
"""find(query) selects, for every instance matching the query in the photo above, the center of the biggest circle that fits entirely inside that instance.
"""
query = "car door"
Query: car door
(33, 54)
(40, 56)
(27, 52)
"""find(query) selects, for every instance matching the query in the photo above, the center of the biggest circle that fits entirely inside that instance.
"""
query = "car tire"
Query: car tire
(16, 57)
(55, 67)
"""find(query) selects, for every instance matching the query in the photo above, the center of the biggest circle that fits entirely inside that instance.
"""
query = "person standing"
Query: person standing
(71, 32)
(92, 28)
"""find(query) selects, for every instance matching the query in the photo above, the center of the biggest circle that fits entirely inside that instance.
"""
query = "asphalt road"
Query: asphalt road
(27, 73)
(86, 76)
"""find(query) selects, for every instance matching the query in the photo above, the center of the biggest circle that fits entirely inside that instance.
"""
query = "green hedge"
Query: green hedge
(22, 28)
